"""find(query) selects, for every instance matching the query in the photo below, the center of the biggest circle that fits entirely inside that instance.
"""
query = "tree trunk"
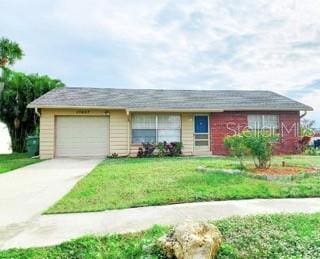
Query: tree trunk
(1, 87)
(18, 137)
(1, 81)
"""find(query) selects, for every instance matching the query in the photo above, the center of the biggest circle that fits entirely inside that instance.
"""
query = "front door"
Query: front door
(201, 133)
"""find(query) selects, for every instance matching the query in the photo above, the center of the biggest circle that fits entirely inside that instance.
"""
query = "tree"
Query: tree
(19, 90)
(307, 127)
(10, 52)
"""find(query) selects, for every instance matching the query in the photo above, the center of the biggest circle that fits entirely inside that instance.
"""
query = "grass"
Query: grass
(273, 236)
(15, 160)
(124, 183)
(303, 160)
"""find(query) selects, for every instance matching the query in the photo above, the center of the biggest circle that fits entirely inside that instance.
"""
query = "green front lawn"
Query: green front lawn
(275, 236)
(14, 161)
(123, 183)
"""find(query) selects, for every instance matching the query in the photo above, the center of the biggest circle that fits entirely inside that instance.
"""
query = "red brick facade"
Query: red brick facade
(230, 123)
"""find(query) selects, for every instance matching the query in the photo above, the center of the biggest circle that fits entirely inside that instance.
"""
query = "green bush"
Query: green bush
(162, 148)
(256, 143)
(146, 150)
(113, 155)
(170, 149)
(237, 147)
(312, 151)
(260, 146)
(307, 128)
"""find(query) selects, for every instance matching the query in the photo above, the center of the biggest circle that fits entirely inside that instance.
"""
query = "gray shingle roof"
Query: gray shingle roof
(148, 99)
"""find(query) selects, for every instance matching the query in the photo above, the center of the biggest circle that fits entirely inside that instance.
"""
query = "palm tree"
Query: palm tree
(10, 52)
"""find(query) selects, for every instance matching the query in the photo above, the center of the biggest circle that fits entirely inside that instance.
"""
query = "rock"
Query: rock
(191, 240)
(219, 170)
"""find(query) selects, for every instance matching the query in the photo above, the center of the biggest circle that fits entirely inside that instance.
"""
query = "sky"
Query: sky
(178, 44)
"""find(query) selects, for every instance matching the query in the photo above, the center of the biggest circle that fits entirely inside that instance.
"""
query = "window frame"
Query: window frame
(263, 128)
(156, 126)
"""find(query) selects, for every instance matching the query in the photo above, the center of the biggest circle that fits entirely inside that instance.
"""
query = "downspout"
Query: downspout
(37, 112)
(128, 133)
(304, 114)
(299, 128)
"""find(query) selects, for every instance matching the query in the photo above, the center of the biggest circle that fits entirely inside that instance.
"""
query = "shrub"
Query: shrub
(260, 146)
(312, 151)
(163, 149)
(113, 156)
(257, 144)
(237, 147)
(169, 149)
(146, 150)
(307, 128)
(176, 148)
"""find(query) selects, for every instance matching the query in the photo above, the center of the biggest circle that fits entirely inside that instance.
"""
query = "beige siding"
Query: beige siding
(134, 150)
(47, 134)
(187, 133)
(118, 130)
(119, 133)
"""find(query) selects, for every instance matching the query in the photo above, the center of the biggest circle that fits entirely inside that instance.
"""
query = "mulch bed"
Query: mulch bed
(283, 171)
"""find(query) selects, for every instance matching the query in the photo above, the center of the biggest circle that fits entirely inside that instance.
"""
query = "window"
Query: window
(169, 128)
(154, 128)
(263, 122)
(144, 128)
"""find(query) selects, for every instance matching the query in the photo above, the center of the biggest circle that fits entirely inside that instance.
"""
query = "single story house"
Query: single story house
(101, 121)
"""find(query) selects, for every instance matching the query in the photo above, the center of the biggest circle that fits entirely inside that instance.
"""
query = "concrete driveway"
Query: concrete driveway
(27, 192)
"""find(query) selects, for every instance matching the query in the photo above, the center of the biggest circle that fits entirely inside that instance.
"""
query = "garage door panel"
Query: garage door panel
(82, 136)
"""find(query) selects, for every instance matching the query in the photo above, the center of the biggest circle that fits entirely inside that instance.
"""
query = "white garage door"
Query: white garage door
(82, 136)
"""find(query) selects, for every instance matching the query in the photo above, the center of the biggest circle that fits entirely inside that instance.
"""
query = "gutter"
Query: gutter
(74, 107)
(174, 110)
(165, 109)
(37, 112)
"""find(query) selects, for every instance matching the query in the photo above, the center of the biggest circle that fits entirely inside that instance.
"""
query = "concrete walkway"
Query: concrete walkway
(27, 192)
(54, 229)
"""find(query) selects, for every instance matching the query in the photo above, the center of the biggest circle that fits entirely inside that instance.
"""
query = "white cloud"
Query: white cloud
(312, 99)
(167, 52)
(261, 44)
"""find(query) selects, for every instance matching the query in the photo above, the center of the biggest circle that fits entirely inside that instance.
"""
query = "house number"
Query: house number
(82, 112)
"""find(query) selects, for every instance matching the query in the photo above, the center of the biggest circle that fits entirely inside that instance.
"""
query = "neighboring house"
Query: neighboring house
(315, 137)
(101, 121)
(5, 143)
